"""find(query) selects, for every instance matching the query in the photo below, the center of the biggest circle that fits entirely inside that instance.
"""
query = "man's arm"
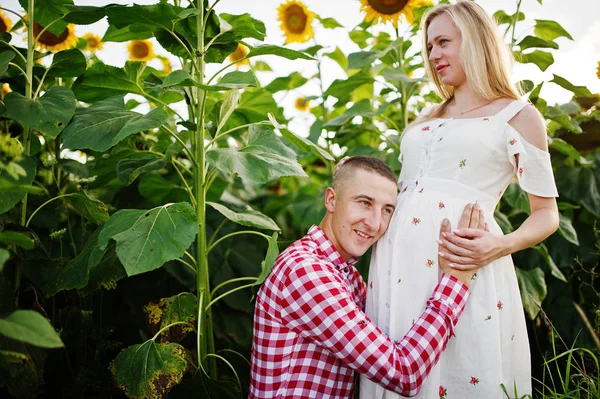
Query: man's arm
(319, 307)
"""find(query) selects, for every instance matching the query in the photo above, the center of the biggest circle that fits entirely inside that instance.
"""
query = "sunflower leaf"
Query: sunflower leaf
(68, 63)
(50, 114)
(269, 49)
(30, 327)
(5, 58)
(105, 123)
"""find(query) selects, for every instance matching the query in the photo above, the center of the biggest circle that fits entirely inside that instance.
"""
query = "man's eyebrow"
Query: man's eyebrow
(364, 196)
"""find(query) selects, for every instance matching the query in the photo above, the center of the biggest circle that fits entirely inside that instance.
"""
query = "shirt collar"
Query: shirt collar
(327, 249)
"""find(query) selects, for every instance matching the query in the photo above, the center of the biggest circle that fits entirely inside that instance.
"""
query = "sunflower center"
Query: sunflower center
(3, 27)
(92, 42)
(296, 19)
(48, 38)
(140, 50)
(388, 7)
(238, 54)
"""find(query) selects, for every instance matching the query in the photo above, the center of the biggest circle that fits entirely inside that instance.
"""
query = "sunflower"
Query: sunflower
(383, 11)
(94, 42)
(302, 104)
(598, 70)
(140, 50)
(49, 41)
(167, 69)
(240, 52)
(296, 21)
(5, 22)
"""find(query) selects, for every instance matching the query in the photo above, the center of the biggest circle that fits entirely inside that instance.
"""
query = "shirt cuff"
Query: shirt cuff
(452, 295)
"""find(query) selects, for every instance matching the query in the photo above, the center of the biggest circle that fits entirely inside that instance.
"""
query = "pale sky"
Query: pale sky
(576, 60)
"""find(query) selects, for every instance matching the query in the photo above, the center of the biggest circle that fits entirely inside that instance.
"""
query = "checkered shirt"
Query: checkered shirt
(311, 335)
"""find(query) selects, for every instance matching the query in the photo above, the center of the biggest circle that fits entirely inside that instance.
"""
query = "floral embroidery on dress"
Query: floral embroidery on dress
(399, 280)
(420, 191)
(443, 392)
(512, 141)
(486, 119)
(441, 205)
(474, 275)
(371, 285)
(404, 189)
(489, 317)
(520, 172)
(463, 163)
(426, 128)
(429, 263)
(499, 305)
(440, 139)
(474, 381)
(416, 221)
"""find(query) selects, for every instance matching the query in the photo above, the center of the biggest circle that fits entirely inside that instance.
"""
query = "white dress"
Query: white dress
(447, 163)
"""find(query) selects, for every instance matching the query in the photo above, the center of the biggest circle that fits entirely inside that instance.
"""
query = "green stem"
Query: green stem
(187, 187)
(233, 280)
(206, 344)
(237, 233)
(514, 25)
(166, 327)
(180, 141)
(44, 204)
(189, 255)
(241, 287)
(22, 71)
(225, 133)
(192, 268)
(214, 236)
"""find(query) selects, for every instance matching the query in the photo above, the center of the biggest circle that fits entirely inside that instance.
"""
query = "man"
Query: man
(310, 333)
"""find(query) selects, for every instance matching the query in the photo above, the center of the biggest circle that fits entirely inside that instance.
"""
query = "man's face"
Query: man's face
(361, 209)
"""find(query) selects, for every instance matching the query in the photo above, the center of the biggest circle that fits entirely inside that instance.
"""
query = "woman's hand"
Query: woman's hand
(471, 249)
(472, 218)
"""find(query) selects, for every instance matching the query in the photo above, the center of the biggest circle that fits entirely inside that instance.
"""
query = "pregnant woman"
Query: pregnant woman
(468, 149)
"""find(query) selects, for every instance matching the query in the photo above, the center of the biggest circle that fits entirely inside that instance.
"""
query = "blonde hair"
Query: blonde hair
(485, 58)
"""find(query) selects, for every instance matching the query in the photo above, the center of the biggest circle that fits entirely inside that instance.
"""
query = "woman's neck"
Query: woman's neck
(465, 98)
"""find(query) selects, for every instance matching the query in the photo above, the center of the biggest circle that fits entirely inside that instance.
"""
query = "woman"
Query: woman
(466, 150)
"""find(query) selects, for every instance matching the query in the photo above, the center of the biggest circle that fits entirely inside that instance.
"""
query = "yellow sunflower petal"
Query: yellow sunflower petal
(140, 50)
(302, 104)
(383, 11)
(94, 42)
(598, 70)
(49, 41)
(5, 22)
(5, 90)
(240, 52)
(295, 21)
(167, 69)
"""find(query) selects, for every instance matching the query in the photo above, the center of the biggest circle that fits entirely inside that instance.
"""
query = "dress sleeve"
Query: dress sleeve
(533, 170)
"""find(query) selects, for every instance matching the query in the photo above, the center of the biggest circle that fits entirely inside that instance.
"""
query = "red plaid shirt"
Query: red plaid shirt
(310, 333)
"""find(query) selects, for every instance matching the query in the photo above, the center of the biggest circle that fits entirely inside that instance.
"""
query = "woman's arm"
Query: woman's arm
(471, 249)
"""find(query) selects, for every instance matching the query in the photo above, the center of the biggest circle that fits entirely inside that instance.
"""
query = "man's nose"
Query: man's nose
(374, 220)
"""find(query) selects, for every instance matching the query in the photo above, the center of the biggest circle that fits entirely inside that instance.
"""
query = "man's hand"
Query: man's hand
(471, 218)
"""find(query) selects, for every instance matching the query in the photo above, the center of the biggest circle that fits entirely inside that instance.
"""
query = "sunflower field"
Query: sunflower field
(142, 205)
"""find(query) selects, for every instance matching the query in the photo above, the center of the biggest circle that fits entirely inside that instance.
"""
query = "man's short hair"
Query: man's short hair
(370, 164)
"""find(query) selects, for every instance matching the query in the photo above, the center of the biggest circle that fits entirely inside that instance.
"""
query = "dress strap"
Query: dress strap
(510, 111)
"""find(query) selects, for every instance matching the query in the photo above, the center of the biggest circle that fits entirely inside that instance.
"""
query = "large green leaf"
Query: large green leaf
(131, 168)
(233, 80)
(503, 18)
(67, 64)
(550, 30)
(362, 59)
(147, 239)
(85, 15)
(579, 185)
(248, 217)
(131, 32)
(269, 262)
(15, 238)
(567, 230)
(263, 159)
(149, 370)
(104, 124)
(342, 88)
(536, 42)
(50, 114)
(244, 26)
(101, 81)
(580, 91)
(182, 307)
(554, 270)
(30, 327)
(76, 273)
(13, 190)
(50, 13)
(4, 256)
(158, 16)
(540, 58)
(5, 58)
(293, 81)
(533, 289)
(338, 56)
(90, 208)
(558, 115)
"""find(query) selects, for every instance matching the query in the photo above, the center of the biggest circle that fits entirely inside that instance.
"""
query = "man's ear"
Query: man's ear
(330, 199)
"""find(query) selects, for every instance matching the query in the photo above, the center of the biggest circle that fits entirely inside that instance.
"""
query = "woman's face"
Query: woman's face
(443, 44)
